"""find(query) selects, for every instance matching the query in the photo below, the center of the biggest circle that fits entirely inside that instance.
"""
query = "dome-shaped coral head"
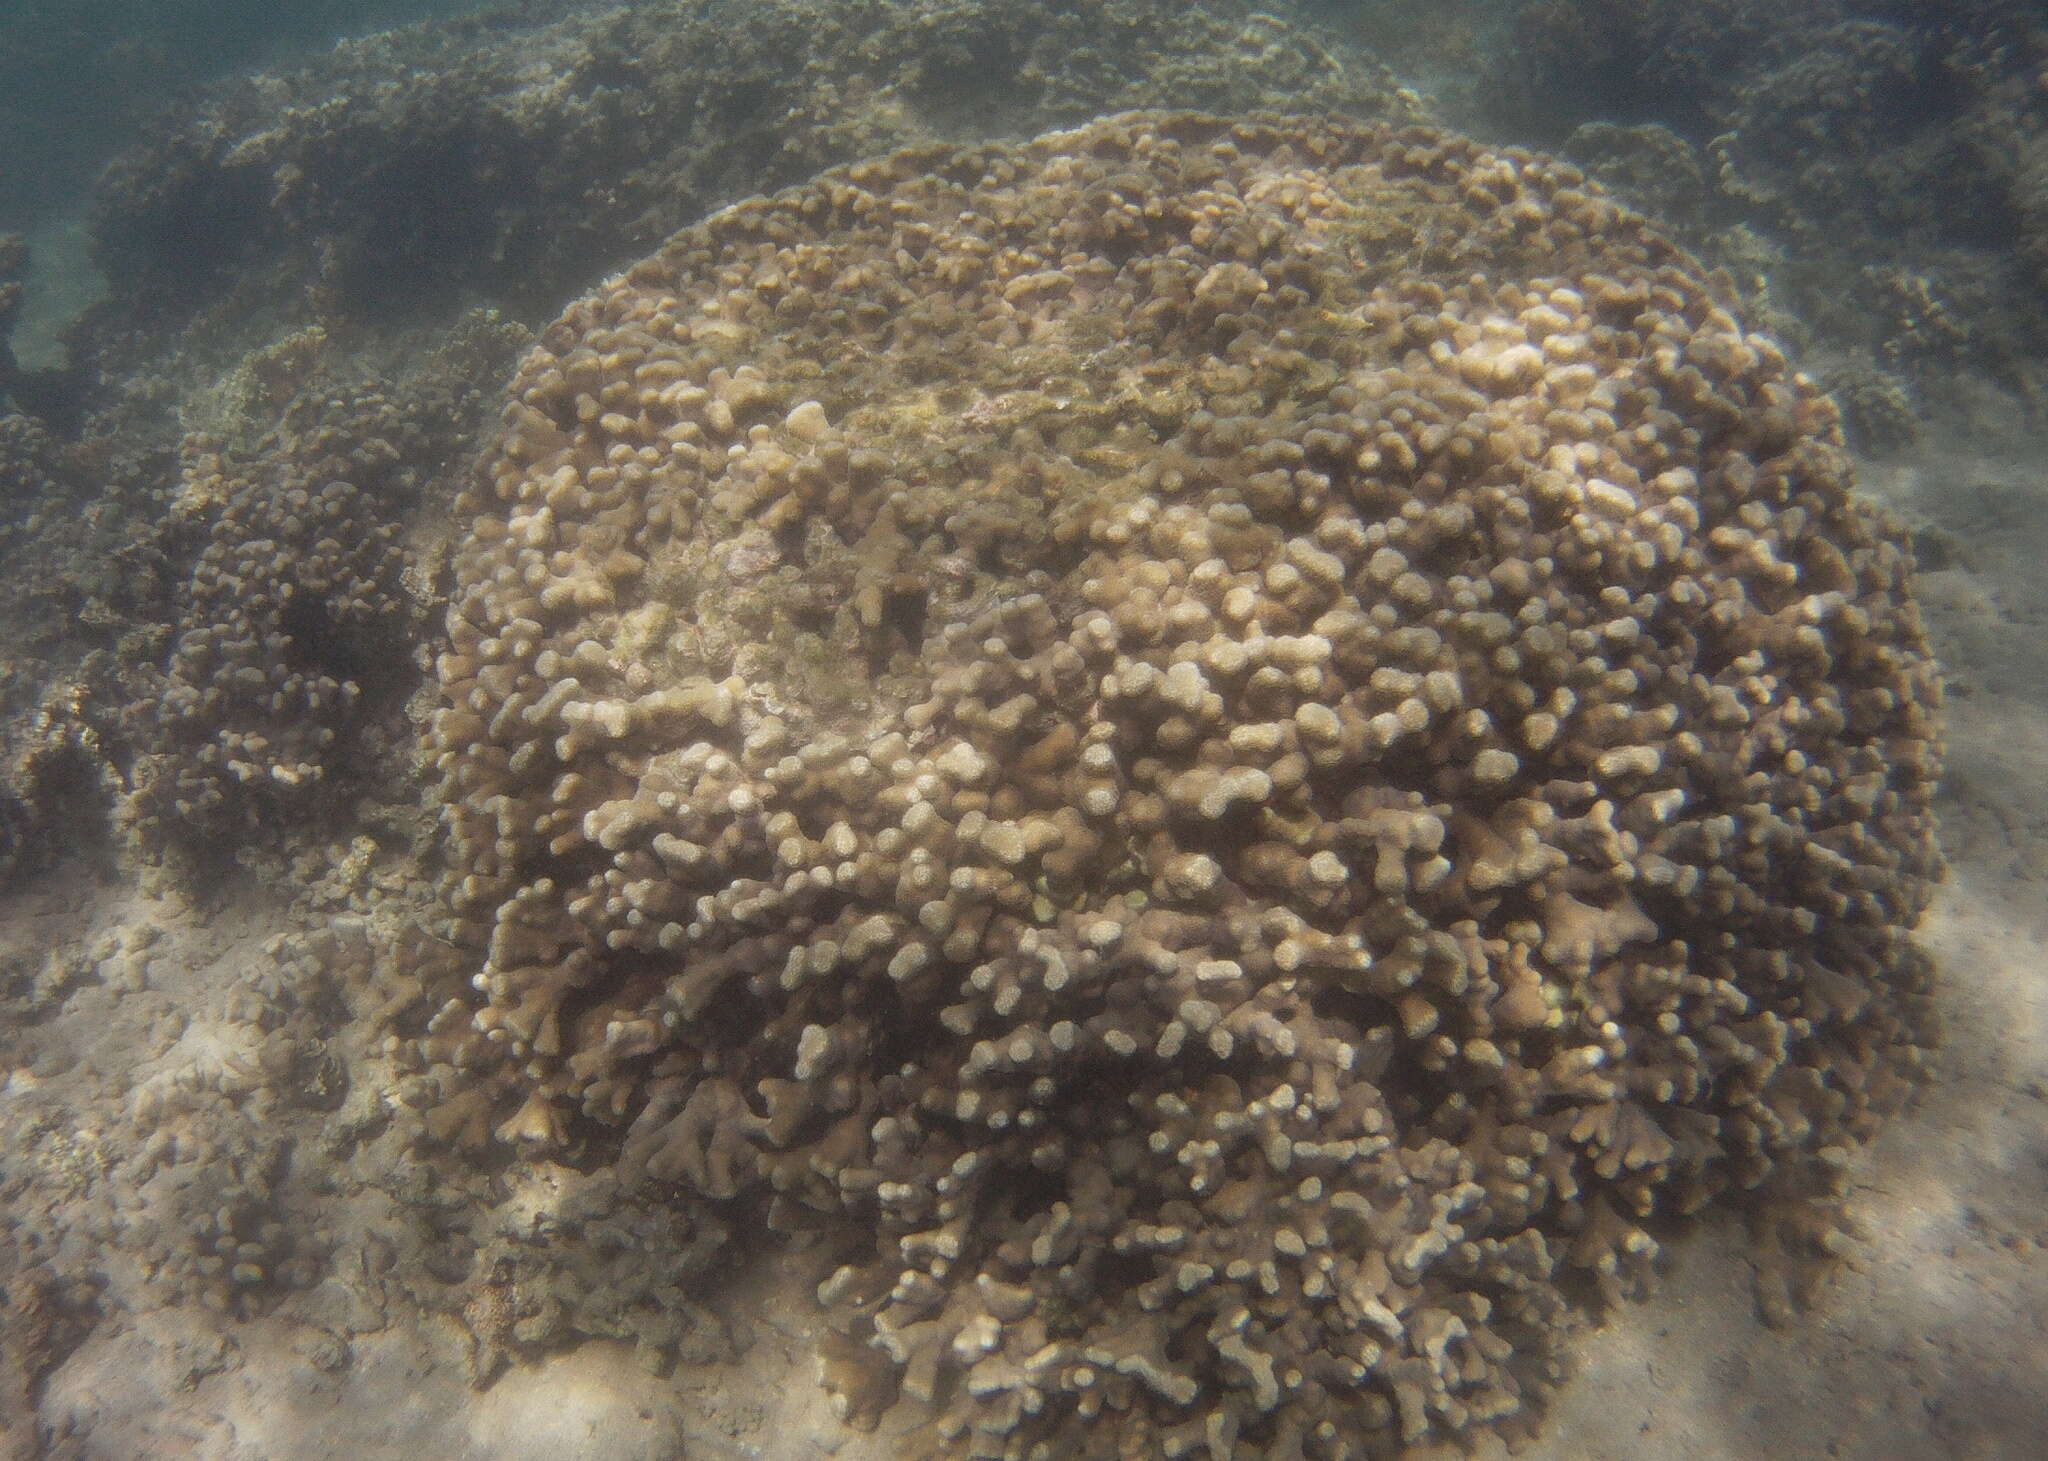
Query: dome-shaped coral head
(1226, 751)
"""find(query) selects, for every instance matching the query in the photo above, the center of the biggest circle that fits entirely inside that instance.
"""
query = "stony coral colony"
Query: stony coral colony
(1218, 758)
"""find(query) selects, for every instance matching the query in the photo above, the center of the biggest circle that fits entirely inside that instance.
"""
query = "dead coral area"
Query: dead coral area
(208, 1219)
(75, 79)
(157, 1073)
(73, 585)
(283, 690)
(514, 151)
(1633, 61)
(298, 594)
(1869, 173)
(1303, 748)
(214, 631)
(1919, 198)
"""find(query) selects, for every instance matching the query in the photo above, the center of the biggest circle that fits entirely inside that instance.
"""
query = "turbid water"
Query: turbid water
(1245, 785)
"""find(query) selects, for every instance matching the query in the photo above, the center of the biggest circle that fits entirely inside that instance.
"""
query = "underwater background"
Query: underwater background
(365, 1090)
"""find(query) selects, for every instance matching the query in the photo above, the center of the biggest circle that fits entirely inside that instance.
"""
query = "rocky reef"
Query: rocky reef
(1868, 172)
(1213, 761)
(506, 154)
(1213, 771)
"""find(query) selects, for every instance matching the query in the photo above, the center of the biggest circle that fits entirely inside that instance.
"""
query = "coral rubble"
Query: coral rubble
(1215, 760)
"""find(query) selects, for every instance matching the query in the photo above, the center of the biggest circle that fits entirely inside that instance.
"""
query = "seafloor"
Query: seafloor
(228, 537)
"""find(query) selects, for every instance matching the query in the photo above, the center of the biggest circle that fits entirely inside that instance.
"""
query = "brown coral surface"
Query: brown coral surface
(1220, 758)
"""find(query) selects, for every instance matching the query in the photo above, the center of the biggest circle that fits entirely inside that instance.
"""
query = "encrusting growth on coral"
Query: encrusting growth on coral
(1216, 757)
